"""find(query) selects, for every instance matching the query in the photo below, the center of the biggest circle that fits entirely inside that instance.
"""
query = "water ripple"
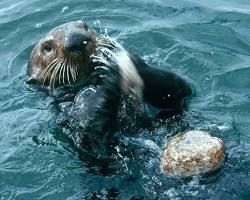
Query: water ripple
(207, 42)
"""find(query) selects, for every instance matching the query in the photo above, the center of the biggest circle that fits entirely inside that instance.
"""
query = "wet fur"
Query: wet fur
(109, 73)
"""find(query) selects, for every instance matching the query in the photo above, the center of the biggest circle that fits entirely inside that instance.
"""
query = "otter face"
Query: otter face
(62, 54)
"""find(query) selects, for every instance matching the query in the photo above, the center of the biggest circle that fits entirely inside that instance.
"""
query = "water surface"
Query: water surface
(207, 43)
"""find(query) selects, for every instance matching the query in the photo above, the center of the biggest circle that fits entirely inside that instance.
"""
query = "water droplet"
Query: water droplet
(38, 25)
(64, 9)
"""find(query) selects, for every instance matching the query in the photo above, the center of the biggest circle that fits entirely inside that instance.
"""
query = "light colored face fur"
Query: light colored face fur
(61, 54)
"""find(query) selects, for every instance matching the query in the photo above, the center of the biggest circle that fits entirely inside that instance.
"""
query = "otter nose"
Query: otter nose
(76, 42)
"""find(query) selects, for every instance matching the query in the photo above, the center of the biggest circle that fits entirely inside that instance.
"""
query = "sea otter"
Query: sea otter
(74, 52)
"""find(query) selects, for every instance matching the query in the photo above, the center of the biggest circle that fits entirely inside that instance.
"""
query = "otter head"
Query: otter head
(62, 55)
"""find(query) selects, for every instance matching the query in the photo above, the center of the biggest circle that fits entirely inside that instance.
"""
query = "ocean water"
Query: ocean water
(206, 41)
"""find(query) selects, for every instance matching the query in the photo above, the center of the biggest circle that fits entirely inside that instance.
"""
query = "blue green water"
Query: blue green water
(208, 43)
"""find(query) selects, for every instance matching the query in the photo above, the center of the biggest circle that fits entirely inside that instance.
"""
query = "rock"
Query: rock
(191, 153)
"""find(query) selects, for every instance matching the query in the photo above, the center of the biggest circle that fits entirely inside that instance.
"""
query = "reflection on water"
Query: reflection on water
(205, 42)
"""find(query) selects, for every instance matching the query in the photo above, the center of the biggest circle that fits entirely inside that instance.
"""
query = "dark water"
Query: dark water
(207, 43)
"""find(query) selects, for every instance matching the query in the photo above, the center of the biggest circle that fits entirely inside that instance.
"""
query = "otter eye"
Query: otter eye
(47, 47)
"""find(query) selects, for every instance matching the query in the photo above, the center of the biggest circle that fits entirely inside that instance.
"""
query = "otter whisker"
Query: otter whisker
(106, 45)
(54, 74)
(46, 72)
(77, 71)
(72, 70)
(57, 73)
(60, 72)
(48, 68)
(106, 41)
(64, 69)
(52, 77)
(68, 68)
